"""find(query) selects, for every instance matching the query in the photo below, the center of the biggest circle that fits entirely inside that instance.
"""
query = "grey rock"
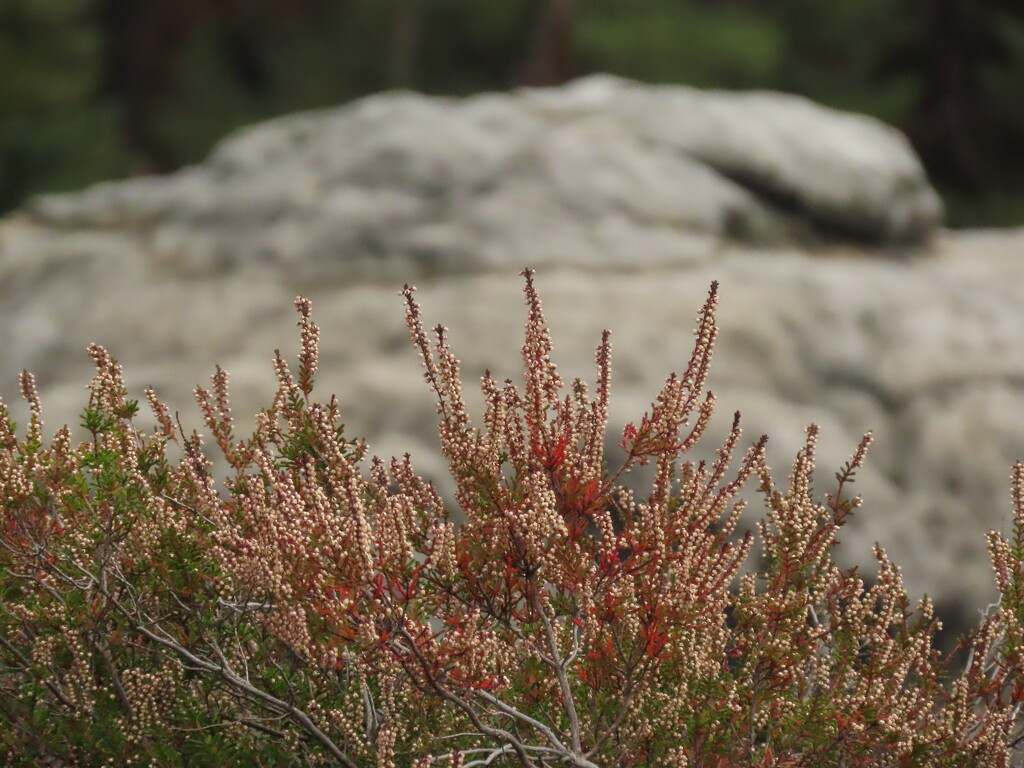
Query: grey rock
(630, 200)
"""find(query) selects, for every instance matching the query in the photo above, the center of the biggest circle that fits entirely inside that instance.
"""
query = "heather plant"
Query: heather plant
(325, 610)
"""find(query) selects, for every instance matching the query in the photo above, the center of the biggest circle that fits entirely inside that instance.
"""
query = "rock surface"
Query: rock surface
(630, 200)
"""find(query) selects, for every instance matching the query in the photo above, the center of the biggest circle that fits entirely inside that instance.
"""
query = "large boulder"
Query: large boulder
(842, 302)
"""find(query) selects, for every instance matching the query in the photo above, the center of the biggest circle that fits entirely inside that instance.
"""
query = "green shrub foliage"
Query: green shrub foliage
(324, 610)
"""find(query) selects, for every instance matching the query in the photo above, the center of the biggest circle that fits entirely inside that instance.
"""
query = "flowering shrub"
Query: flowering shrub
(326, 612)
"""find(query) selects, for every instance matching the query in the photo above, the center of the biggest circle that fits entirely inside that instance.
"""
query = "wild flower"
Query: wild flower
(327, 611)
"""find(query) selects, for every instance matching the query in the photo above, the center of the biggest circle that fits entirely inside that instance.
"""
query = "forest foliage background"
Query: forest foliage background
(99, 89)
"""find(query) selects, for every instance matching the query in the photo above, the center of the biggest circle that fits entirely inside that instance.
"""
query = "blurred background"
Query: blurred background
(103, 89)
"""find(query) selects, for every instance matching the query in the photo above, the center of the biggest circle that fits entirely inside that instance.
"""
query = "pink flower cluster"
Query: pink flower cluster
(329, 612)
